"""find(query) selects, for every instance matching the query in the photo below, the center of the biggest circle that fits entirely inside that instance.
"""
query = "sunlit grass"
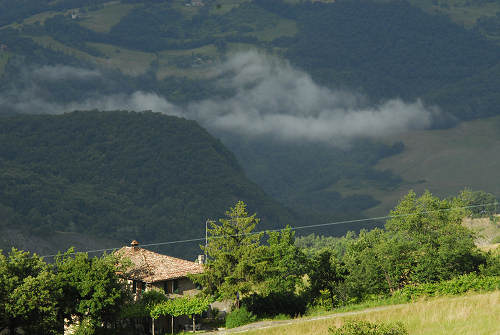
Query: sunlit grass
(51, 43)
(222, 7)
(284, 27)
(168, 68)
(443, 161)
(4, 58)
(41, 17)
(476, 314)
(487, 231)
(128, 61)
(461, 11)
(104, 19)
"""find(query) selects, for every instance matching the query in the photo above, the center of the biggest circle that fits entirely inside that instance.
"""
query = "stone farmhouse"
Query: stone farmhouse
(151, 270)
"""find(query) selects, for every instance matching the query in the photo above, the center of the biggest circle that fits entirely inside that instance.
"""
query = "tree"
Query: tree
(92, 288)
(233, 250)
(28, 297)
(443, 247)
(423, 241)
(485, 203)
(281, 264)
(182, 306)
(326, 274)
(378, 262)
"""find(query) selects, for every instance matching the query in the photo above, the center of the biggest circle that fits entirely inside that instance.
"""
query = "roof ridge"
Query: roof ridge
(151, 266)
(163, 255)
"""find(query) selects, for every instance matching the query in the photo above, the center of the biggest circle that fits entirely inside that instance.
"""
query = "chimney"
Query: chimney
(201, 259)
(135, 245)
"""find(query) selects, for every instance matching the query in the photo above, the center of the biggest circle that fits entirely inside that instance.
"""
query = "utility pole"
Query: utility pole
(206, 240)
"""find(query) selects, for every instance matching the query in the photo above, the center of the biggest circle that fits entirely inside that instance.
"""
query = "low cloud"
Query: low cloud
(138, 101)
(271, 98)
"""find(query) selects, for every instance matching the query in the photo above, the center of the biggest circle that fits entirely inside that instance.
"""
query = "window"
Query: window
(138, 286)
(165, 287)
(171, 286)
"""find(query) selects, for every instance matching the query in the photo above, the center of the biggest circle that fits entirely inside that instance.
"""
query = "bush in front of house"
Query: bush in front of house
(369, 328)
(239, 317)
(274, 304)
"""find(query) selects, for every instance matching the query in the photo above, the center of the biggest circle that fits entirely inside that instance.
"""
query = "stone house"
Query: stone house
(151, 270)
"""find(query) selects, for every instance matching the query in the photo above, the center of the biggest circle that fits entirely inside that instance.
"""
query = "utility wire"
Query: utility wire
(291, 228)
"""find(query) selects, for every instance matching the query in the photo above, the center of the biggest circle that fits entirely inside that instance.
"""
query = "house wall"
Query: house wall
(183, 286)
(186, 286)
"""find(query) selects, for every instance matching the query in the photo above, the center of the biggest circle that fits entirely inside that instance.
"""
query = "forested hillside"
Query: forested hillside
(78, 54)
(384, 49)
(122, 176)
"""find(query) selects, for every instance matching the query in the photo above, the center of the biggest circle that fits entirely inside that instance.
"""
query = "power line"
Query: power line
(291, 228)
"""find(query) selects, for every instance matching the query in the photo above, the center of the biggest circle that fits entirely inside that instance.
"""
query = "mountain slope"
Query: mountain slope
(383, 49)
(444, 161)
(122, 176)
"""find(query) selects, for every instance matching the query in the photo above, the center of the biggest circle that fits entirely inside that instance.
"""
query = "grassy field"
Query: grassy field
(104, 19)
(51, 43)
(464, 12)
(133, 62)
(466, 315)
(487, 230)
(41, 17)
(4, 58)
(284, 27)
(130, 62)
(225, 6)
(443, 161)
(167, 67)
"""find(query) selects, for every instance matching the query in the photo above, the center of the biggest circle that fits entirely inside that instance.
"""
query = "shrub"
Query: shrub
(239, 317)
(274, 304)
(492, 266)
(281, 317)
(455, 286)
(368, 328)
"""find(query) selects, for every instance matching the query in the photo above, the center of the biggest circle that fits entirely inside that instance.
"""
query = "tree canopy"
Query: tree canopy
(40, 298)
(242, 264)
(29, 295)
(232, 250)
(120, 175)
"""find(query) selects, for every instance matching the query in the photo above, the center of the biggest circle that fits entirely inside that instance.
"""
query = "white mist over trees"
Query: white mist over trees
(271, 98)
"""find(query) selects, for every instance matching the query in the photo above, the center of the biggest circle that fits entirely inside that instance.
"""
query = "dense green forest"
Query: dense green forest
(389, 50)
(121, 175)
(381, 49)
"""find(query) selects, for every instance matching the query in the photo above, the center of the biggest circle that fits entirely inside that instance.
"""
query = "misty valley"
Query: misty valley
(262, 166)
(317, 102)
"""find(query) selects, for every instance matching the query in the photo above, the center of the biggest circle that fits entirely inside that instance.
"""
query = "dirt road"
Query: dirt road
(280, 323)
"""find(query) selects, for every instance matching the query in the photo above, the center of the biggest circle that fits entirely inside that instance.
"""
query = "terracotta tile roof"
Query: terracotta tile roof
(150, 267)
